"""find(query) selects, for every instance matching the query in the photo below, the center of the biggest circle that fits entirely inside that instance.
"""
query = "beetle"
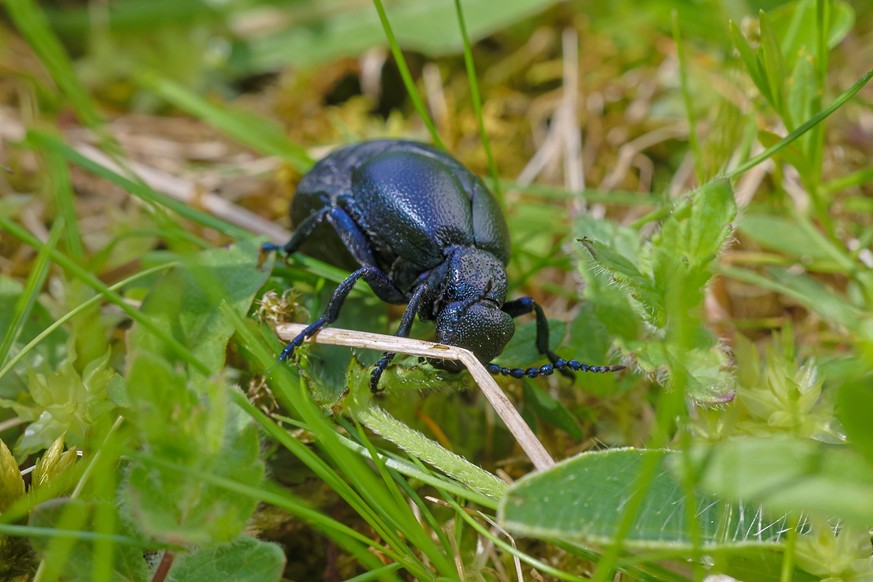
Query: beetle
(421, 230)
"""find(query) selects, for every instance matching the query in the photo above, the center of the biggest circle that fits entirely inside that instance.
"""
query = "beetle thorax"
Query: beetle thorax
(474, 273)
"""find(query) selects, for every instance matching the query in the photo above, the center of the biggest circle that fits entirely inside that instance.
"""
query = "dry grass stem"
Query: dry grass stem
(389, 343)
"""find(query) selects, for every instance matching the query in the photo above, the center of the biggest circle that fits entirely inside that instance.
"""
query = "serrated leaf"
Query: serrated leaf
(245, 559)
(689, 242)
(186, 300)
(699, 226)
(790, 475)
(585, 498)
(627, 278)
(63, 402)
(615, 310)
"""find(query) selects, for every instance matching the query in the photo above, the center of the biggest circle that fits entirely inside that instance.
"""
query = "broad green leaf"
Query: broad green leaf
(185, 301)
(245, 559)
(344, 29)
(521, 350)
(790, 475)
(584, 499)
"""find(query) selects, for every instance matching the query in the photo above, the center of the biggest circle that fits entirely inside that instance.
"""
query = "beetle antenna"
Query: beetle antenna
(548, 369)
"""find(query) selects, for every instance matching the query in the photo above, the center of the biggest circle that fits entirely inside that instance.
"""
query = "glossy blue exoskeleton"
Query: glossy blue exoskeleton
(424, 231)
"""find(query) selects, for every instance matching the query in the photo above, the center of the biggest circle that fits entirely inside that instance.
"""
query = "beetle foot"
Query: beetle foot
(376, 372)
(269, 247)
(307, 333)
(288, 351)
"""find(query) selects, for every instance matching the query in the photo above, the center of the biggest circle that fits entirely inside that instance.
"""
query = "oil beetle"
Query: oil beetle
(422, 230)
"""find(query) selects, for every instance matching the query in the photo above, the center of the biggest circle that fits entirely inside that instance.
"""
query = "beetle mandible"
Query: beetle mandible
(424, 231)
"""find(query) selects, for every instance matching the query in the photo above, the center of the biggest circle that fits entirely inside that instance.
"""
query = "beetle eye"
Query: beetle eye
(480, 327)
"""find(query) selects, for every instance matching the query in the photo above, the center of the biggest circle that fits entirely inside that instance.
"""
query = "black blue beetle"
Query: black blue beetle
(422, 230)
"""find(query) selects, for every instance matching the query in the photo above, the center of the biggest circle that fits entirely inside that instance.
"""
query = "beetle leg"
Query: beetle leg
(402, 331)
(525, 305)
(353, 238)
(346, 228)
(300, 234)
(371, 274)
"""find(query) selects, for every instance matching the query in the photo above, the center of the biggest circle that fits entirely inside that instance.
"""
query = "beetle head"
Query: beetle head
(478, 325)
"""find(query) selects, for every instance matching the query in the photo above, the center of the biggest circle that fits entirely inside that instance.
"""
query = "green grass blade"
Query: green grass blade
(247, 128)
(59, 182)
(279, 497)
(476, 98)
(408, 82)
(806, 126)
(364, 491)
(29, 294)
(686, 97)
(75, 311)
(78, 272)
(46, 532)
(33, 25)
(412, 441)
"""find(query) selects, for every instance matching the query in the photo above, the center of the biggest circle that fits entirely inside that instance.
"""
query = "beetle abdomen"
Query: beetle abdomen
(413, 205)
